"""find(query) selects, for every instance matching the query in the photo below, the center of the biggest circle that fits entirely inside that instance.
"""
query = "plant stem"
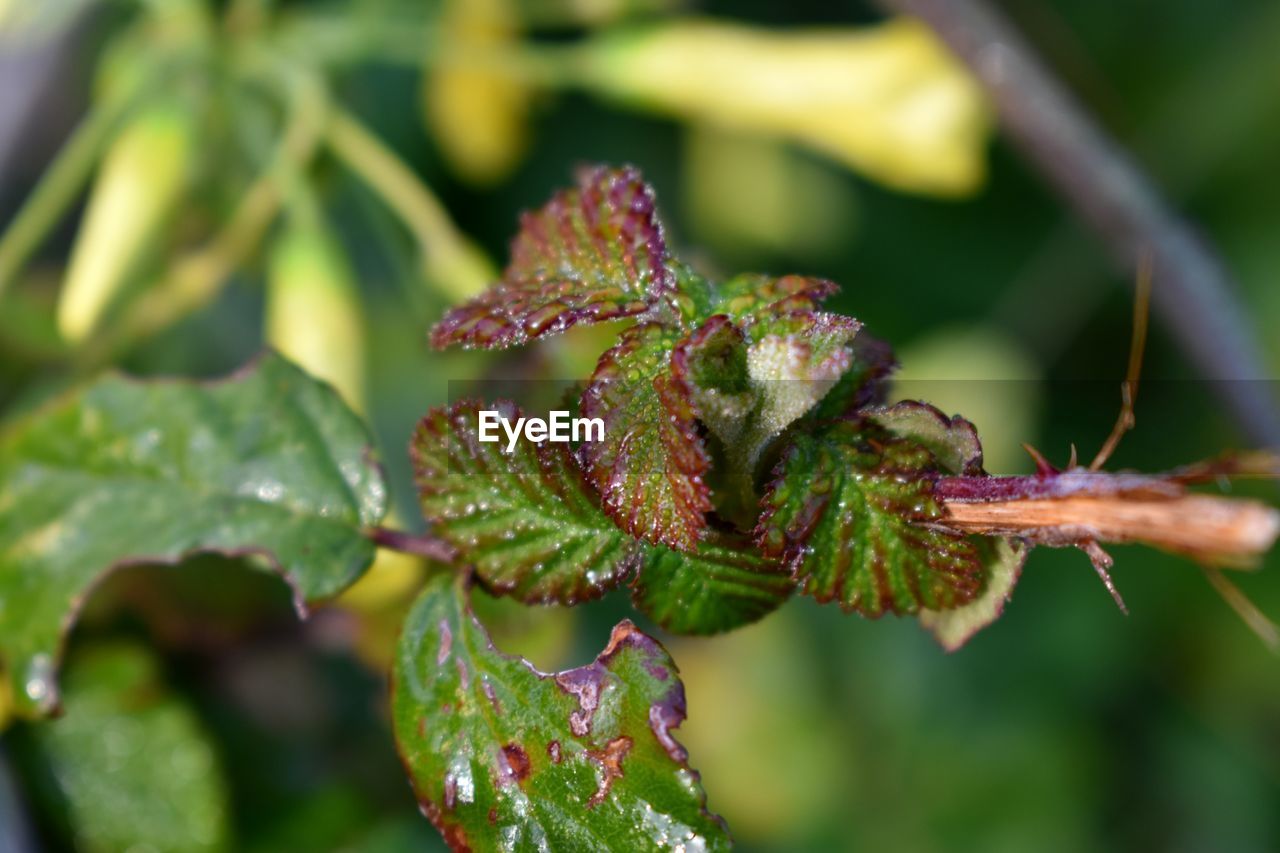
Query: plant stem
(408, 543)
(452, 262)
(58, 188)
(1194, 293)
(1081, 507)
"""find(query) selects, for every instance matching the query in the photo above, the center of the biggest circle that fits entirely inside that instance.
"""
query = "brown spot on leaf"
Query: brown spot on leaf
(553, 750)
(493, 817)
(610, 760)
(622, 632)
(517, 761)
(453, 833)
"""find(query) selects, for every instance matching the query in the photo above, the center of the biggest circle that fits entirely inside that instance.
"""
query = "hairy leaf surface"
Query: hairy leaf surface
(862, 384)
(953, 441)
(649, 468)
(502, 756)
(527, 520)
(846, 514)
(595, 252)
(269, 461)
(751, 296)
(724, 584)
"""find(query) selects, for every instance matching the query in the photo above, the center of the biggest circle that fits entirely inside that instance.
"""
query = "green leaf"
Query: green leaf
(1002, 561)
(130, 761)
(268, 462)
(748, 384)
(650, 466)
(527, 520)
(753, 296)
(953, 441)
(862, 384)
(593, 253)
(502, 756)
(793, 361)
(847, 513)
(724, 584)
(710, 367)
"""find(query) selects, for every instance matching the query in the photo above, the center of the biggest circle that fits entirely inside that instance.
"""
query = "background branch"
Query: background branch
(1193, 292)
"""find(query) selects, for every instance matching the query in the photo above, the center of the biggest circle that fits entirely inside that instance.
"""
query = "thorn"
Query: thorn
(1075, 457)
(1043, 467)
(1101, 563)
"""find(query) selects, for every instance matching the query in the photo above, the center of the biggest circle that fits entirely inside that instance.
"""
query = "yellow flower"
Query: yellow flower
(477, 115)
(888, 101)
(139, 185)
(313, 313)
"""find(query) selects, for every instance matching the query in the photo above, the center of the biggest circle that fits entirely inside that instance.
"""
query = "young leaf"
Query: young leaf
(862, 384)
(131, 761)
(748, 385)
(649, 468)
(710, 368)
(502, 756)
(526, 520)
(269, 462)
(751, 296)
(724, 584)
(593, 253)
(845, 513)
(1002, 561)
(793, 361)
(953, 441)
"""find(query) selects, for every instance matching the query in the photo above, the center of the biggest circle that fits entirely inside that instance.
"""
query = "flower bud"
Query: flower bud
(141, 180)
(477, 115)
(313, 314)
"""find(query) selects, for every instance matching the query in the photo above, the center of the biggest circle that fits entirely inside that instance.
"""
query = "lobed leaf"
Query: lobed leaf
(502, 756)
(847, 513)
(724, 583)
(649, 468)
(527, 520)
(269, 462)
(595, 252)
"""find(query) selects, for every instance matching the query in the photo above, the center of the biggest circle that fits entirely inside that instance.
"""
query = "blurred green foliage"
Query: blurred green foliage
(1062, 727)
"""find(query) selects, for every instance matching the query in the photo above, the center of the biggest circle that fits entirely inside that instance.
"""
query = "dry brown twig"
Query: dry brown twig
(1084, 507)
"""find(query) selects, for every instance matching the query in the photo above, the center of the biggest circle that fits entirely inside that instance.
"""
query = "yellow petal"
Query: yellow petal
(139, 185)
(478, 116)
(313, 313)
(888, 101)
